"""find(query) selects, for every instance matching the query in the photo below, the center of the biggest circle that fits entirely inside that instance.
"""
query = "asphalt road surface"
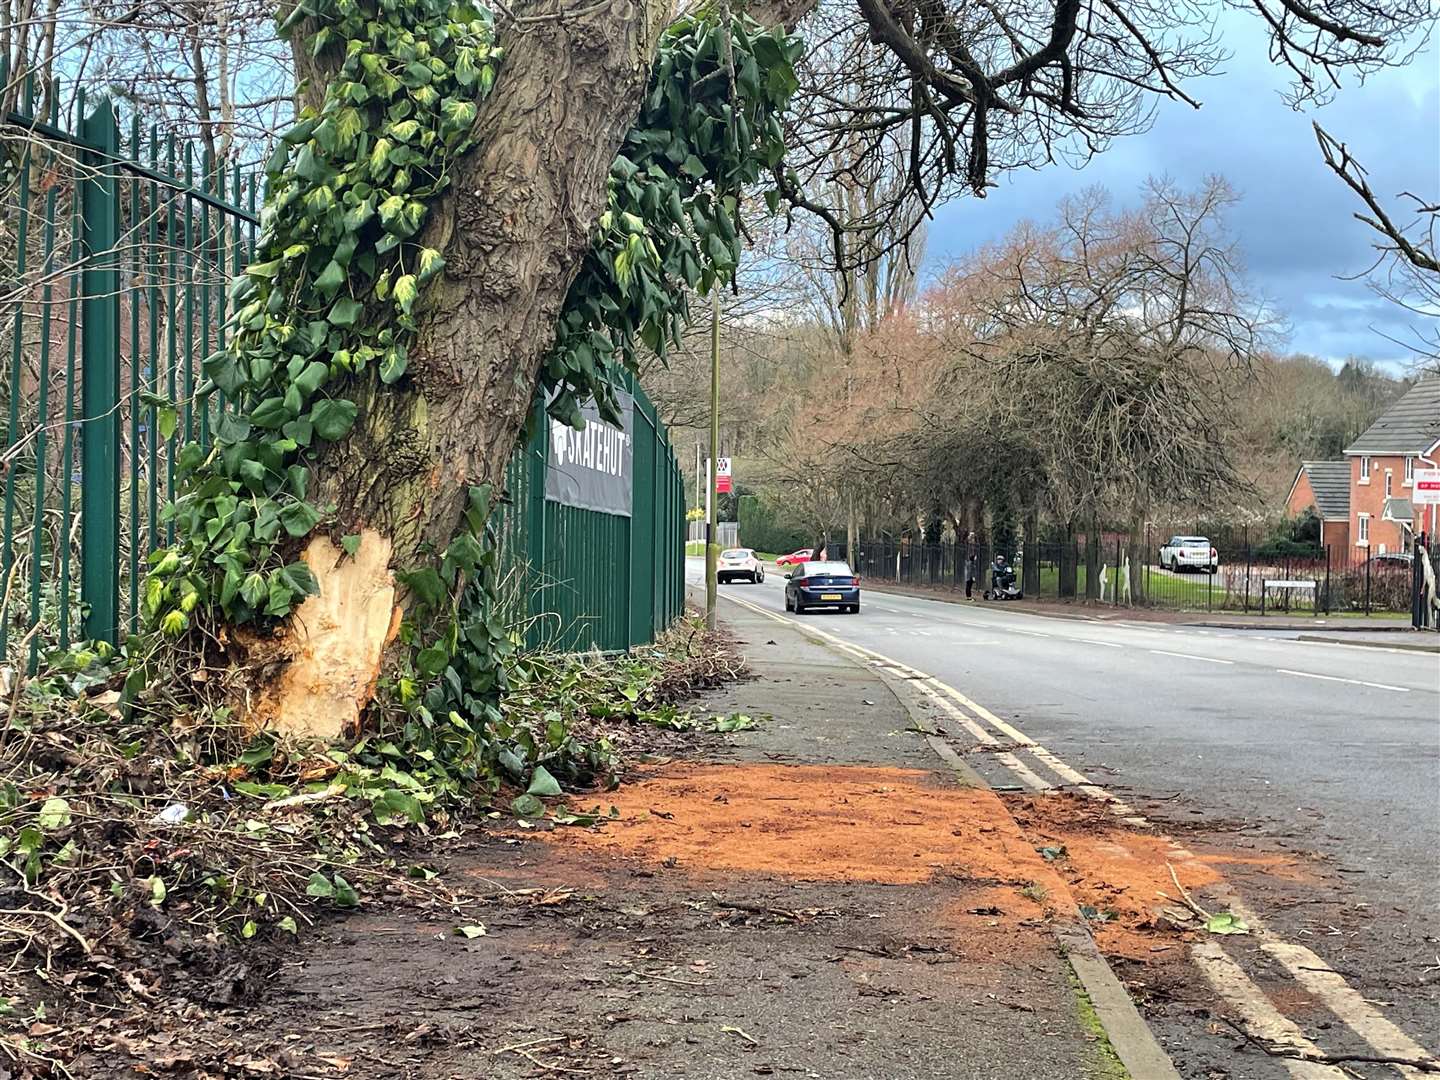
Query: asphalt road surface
(1334, 746)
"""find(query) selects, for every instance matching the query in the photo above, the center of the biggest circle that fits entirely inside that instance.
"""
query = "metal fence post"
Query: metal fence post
(1249, 565)
(1115, 592)
(100, 374)
(534, 528)
(1367, 581)
(1417, 549)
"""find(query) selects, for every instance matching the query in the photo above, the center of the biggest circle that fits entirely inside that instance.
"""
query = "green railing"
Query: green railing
(117, 251)
(117, 244)
(584, 579)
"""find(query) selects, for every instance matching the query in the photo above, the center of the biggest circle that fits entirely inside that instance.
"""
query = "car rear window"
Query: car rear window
(736, 553)
(1187, 540)
(827, 568)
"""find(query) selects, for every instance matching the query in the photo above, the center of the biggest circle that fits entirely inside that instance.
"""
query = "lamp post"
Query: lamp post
(712, 523)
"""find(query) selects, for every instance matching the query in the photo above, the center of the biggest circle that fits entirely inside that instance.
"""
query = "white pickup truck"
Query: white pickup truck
(1189, 553)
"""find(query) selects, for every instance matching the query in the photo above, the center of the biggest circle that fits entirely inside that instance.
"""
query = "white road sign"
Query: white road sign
(1427, 487)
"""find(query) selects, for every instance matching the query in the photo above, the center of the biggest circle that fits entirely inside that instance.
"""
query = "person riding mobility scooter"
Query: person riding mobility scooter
(1002, 582)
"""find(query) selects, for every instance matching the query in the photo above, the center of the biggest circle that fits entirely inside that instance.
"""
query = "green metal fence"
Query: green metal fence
(584, 579)
(117, 244)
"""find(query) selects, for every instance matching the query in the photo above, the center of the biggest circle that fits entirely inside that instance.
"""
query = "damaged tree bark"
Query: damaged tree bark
(513, 229)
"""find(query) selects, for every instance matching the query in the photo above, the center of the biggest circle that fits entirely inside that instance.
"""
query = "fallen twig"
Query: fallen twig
(1426, 1065)
(1185, 897)
(79, 938)
(742, 1033)
(668, 979)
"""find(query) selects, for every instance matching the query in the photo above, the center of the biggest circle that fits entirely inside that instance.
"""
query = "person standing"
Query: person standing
(970, 567)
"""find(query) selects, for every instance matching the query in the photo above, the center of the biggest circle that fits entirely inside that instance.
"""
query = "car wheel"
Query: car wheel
(787, 601)
(760, 578)
(798, 608)
(854, 609)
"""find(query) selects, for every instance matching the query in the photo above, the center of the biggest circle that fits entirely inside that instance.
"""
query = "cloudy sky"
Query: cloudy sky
(1293, 219)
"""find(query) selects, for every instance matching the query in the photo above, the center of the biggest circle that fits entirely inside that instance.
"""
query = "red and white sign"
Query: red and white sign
(1427, 487)
(722, 476)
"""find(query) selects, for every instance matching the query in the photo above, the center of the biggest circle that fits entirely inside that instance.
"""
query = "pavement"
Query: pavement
(1380, 624)
(1305, 770)
(823, 896)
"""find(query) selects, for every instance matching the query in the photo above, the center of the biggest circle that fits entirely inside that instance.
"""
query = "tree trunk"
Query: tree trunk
(852, 530)
(1138, 554)
(513, 229)
(1093, 557)
(1030, 556)
(1069, 564)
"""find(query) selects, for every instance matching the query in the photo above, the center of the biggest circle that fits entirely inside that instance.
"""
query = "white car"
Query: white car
(1189, 553)
(739, 563)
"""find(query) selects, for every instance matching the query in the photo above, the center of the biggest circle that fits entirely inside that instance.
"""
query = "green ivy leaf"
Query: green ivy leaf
(300, 579)
(333, 418)
(271, 414)
(425, 584)
(542, 783)
(397, 808)
(263, 271)
(393, 365)
(430, 263)
(432, 661)
(330, 279)
(345, 895)
(345, 312)
(252, 591)
(299, 519)
(54, 814)
(406, 292)
(312, 377)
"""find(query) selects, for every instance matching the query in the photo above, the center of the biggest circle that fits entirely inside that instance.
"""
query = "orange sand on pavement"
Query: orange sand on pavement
(815, 823)
(904, 827)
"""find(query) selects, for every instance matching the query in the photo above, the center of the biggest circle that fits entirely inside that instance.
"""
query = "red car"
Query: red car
(795, 558)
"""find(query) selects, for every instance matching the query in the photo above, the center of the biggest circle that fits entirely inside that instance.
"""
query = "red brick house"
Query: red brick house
(1324, 487)
(1382, 469)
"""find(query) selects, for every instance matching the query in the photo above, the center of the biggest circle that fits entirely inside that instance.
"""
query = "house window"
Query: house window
(1362, 538)
(1409, 471)
(1364, 470)
(1389, 483)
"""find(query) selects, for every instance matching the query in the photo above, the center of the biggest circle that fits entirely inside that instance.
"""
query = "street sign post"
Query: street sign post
(722, 476)
(1427, 487)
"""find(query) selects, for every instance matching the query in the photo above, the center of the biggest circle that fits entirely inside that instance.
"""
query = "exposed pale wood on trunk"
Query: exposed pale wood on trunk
(333, 645)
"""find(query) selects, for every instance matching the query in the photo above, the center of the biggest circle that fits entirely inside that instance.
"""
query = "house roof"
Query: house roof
(1330, 481)
(1398, 509)
(1410, 426)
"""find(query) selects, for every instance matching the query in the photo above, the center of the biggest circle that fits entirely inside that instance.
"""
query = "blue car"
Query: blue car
(822, 585)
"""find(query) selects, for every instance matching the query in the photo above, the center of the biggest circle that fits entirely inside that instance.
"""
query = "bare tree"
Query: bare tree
(1111, 344)
(1406, 270)
(960, 92)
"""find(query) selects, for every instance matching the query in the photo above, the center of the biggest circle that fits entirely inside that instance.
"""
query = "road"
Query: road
(1334, 746)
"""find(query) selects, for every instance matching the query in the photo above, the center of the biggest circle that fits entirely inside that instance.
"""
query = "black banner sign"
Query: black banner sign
(593, 468)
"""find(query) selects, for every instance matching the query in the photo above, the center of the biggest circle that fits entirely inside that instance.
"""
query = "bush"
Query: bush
(1280, 547)
(763, 528)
